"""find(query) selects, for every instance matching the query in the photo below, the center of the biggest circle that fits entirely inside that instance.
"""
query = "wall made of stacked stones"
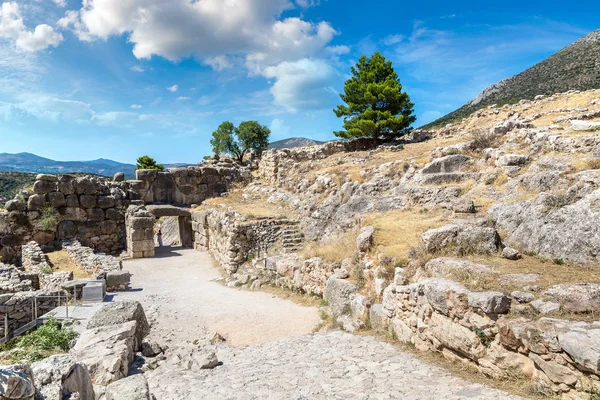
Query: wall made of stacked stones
(140, 232)
(187, 186)
(232, 239)
(20, 307)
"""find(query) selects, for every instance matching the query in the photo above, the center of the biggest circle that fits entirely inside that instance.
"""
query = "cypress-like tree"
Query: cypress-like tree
(375, 106)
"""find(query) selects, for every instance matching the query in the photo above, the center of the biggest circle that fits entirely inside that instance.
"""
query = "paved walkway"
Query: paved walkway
(180, 293)
(270, 353)
(323, 366)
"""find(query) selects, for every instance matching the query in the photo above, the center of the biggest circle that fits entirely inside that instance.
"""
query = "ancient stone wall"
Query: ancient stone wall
(274, 164)
(92, 209)
(140, 232)
(232, 239)
(190, 185)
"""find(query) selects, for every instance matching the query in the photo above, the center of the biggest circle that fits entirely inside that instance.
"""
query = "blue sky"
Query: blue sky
(122, 78)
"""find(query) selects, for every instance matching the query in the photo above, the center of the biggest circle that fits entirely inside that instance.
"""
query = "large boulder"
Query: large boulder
(365, 238)
(448, 164)
(463, 238)
(60, 376)
(583, 345)
(553, 226)
(134, 387)
(444, 266)
(107, 351)
(120, 312)
(339, 293)
(577, 297)
(16, 383)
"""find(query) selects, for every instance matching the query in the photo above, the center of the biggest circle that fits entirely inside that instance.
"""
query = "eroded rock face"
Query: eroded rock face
(60, 376)
(464, 238)
(120, 312)
(134, 387)
(107, 351)
(16, 383)
(339, 294)
(549, 227)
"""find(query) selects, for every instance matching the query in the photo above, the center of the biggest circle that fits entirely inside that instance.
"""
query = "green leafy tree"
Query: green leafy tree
(375, 106)
(249, 136)
(146, 162)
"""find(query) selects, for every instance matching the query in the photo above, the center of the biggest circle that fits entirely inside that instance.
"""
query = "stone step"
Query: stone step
(291, 241)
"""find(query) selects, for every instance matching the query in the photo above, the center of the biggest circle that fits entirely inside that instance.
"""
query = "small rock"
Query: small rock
(151, 349)
(545, 307)
(365, 238)
(511, 254)
(522, 297)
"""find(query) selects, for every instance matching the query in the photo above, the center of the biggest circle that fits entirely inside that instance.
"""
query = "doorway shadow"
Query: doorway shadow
(167, 251)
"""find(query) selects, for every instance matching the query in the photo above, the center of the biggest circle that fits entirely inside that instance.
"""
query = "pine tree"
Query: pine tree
(376, 105)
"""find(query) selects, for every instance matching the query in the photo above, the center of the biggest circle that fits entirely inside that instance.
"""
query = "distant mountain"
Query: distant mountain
(27, 162)
(293, 142)
(576, 67)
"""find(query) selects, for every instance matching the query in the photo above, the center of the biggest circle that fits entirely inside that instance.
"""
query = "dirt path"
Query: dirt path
(179, 292)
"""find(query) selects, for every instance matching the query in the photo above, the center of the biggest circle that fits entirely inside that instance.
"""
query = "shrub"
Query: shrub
(50, 338)
(594, 163)
(49, 218)
(558, 261)
(481, 139)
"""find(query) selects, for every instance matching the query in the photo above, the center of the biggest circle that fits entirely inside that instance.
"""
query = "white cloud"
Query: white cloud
(60, 3)
(13, 28)
(137, 68)
(173, 88)
(136, 106)
(392, 40)
(184, 98)
(219, 63)
(279, 129)
(206, 29)
(303, 85)
(307, 3)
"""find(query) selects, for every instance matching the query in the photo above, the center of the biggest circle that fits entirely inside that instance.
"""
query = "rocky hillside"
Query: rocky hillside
(12, 182)
(461, 240)
(293, 142)
(576, 67)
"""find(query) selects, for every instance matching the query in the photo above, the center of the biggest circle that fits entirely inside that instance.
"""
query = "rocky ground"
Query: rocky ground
(332, 365)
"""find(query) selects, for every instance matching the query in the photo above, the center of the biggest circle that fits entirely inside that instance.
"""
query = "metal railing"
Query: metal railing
(35, 317)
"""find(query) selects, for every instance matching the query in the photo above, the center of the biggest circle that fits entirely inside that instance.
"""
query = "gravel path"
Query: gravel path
(183, 298)
(270, 353)
(322, 366)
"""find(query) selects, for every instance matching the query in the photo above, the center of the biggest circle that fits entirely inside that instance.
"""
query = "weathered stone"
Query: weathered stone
(134, 387)
(151, 349)
(556, 372)
(379, 318)
(15, 205)
(119, 312)
(119, 177)
(365, 238)
(72, 200)
(583, 346)
(60, 376)
(511, 254)
(146, 175)
(117, 279)
(512, 160)
(522, 297)
(464, 205)
(87, 201)
(577, 297)
(443, 294)
(444, 266)
(84, 185)
(448, 164)
(578, 125)
(339, 294)
(456, 337)
(56, 199)
(107, 351)
(464, 238)
(105, 202)
(545, 307)
(490, 302)
(16, 383)
(36, 202)
(44, 187)
(114, 215)
(95, 214)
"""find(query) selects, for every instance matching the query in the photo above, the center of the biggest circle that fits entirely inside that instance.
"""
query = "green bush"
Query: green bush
(49, 218)
(50, 338)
